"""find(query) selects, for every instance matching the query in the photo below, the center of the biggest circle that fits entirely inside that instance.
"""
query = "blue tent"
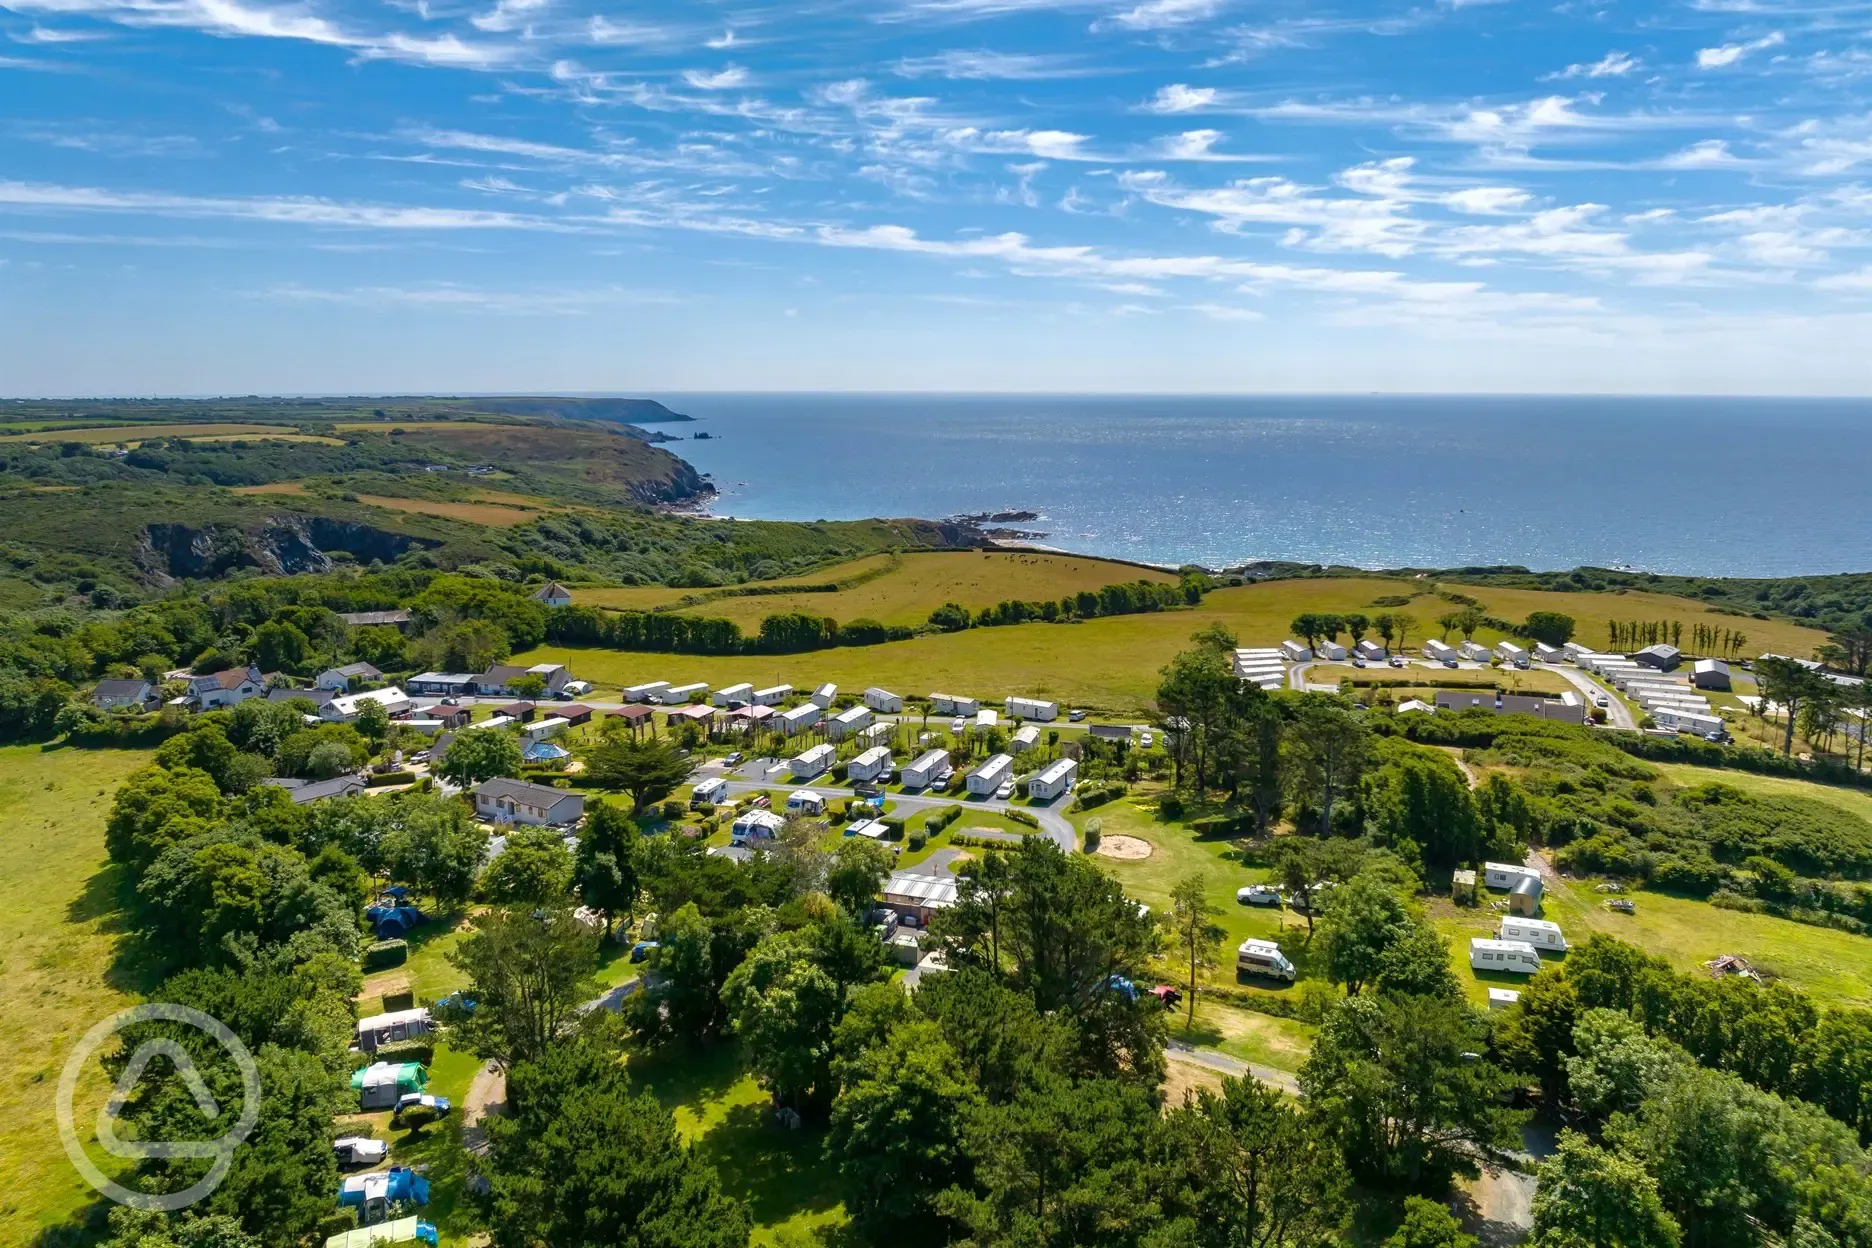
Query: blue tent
(372, 1194)
(544, 752)
(393, 921)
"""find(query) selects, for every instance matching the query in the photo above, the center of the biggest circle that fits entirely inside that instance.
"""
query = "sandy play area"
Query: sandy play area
(1124, 848)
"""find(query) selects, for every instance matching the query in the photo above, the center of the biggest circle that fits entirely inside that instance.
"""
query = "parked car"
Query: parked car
(1005, 791)
(1397, 660)
(1600, 699)
(641, 950)
(733, 760)
(1451, 663)
(1145, 739)
(1258, 895)
(1075, 716)
(761, 801)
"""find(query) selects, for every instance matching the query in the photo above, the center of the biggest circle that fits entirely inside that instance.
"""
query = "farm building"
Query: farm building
(883, 701)
(991, 775)
(1524, 897)
(1295, 652)
(681, 695)
(501, 800)
(920, 773)
(742, 693)
(1330, 651)
(918, 896)
(1438, 651)
(1710, 674)
(1025, 739)
(756, 825)
(1475, 652)
(1661, 656)
(391, 1028)
(799, 718)
(341, 679)
(1056, 779)
(813, 762)
(871, 765)
(650, 691)
(773, 695)
(1032, 708)
(823, 696)
(846, 722)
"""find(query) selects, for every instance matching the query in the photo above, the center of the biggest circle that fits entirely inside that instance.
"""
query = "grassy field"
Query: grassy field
(1511, 679)
(57, 976)
(1110, 664)
(271, 436)
(494, 515)
(644, 597)
(118, 433)
(1853, 801)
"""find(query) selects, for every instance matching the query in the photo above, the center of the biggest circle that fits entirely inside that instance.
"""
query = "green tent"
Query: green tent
(378, 1086)
(401, 1231)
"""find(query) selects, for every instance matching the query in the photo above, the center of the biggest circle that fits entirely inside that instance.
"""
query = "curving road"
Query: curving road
(1618, 715)
(1052, 825)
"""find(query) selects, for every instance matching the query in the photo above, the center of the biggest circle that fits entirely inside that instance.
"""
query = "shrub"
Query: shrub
(893, 829)
(422, 1051)
(1095, 828)
(918, 840)
(672, 811)
(375, 779)
(386, 953)
(1024, 816)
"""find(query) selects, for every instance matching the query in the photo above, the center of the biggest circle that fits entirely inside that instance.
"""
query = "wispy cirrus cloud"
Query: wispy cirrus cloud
(984, 65)
(1611, 65)
(1733, 53)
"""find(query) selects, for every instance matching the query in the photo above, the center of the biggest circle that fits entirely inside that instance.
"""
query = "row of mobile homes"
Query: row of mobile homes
(813, 762)
(871, 766)
(773, 696)
(1439, 651)
(1032, 708)
(1513, 957)
(991, 775)
(953, 704)
(1024, 739)
(651, 691)
(823, 696)
(848, 721)
(1295, 652)
(799, 718)
(883, 701)
(921, 773)
(1054, 780)
(733, 695)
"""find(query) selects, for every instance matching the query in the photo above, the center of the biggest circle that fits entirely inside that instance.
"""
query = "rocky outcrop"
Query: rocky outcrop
(279, 545)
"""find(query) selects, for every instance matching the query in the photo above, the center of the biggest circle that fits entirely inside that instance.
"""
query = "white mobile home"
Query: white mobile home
(870, 765)
(883, 701)
(1513, 957)
(1369, 650)
(1295, 652)
(824, 694)
(1510, 653)
(1544, 653)
(1055, 780)
(1330, 651)
(1537, 932)
(1502, 999)
(774, 696)
(812, 763)
(1577, 652)
(544, 729)
(1032, 708)
(991, 775)
(1476, 652)
(679, 695)
(848, 721)
(799, 718)
(926, 768)
(649, 692)
(742, 693)
(1677, 719)
(1506, 874)
(953, 704)
(986, 719)
(1437, 650)
(1025, 739)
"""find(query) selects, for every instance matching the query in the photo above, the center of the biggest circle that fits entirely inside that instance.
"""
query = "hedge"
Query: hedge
(389, 777)
(1023, 816)
(386, 953)
(422, 1051)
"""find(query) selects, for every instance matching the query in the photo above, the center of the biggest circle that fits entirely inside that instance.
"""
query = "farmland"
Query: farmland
(119, 433)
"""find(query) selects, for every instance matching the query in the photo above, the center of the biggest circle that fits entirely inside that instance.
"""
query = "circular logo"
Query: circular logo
(221, 1151)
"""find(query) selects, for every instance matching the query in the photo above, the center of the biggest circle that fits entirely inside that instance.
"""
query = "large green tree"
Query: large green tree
(478, 754)
(528, 969)
(1327, 748)
(648, 769)
(535, 868)
(1591, 1197)
(606, 868)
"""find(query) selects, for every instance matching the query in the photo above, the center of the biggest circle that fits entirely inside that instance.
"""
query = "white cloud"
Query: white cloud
(1857, 282)
(721, 80)
(449, 297)
(34, 196)
(1730, 53)
(1156, 14)
(51, 35)
(1705, 154)
(508, 15)
(1179, 98)
(985, 65)
(1226, 312)
(1487, 201)
(1611, 65)
(722, 41)
(1199, 145)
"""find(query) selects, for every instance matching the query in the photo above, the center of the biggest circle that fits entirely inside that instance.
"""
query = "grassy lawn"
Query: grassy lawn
(495, 515)
(644, 597)
(1282, 1043)
(57, 978)
(721, 1110)
(1852, 801)
(1108, 664)
(1511, 679)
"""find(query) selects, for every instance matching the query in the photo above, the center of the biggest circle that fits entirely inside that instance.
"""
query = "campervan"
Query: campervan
(1264, 958)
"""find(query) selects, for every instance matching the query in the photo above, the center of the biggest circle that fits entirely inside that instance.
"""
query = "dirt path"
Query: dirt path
(486, 1095)
(1223, 1063)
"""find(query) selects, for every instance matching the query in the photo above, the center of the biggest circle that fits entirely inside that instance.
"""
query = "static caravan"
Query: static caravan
(991, 775)
(714, 789)
(1502, 999)
(1506, 874)
(1537, 932)
(1575, 652)
(1677, 719)
(873, 764)
(1330, 651)
(1510, 653)
(805, 801)
(799, 718)
(544, 729)
(813, 762)
(824, 694)
(742, 693)
(1476, 652)
(1295, 652)
(846, 722)
(1438, 651)
(1544, 653)
(1025, 739)
(774, 696)
(1056, 779)
(648, 692)
(1263, 958)
(919, 774)
(756, 825)
(986, 718)
(953, 704)
(1032, 708)
(883, 701)
(1514, 957)
(1370, 651)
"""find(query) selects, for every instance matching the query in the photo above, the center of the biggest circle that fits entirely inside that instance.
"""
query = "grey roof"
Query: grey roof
(1662, 650)
(1711, 665)
(1110, 732)
(500, 674)
(357, 669)
(925, 890)
(121, 689)
(367, 619)
(551, 589)
(302, 791)
(533, 794)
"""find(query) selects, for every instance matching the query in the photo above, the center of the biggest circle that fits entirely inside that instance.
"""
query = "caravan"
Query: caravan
(1263, 958)
(1537, 932)
(1511, 957)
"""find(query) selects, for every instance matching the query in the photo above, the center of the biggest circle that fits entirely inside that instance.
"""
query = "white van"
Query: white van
(1264, 958)
(1512, 957)
(1537, 932)
(711, 790)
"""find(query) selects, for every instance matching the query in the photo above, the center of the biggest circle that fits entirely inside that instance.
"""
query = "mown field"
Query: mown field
(118, 433)
(1110, 664)
(57, 973)
(644, 597)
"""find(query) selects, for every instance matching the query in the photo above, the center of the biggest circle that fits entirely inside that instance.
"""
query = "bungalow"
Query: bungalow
(1710, 674)
(1330, 651)
(650, 691)
(1663, 657)
(343, 679)
(635, 716)
(1476, 652)
(553, 594)
(921, 773)
(1369, 650)
(501, 800)
(813, 762)
(871, 765)
(917, 896)
(375, 619)
(847, 722)
(756, 825)
(1296, 652)
(229, 688)
(117, 695)
(1032, 708)
(441, 684)
(1025, 739)
(773, 695)
(522, 711)
(682, 695)
(1438, 651)
(1055, 780)
(305, 792)
(498, 680)
(883, 701)
(734, 695)
(991, 775)
(702, 717)
(1510, 653)
(799, 718)
(805, 802)
(823, 696)
(575, 714)
(345, 709)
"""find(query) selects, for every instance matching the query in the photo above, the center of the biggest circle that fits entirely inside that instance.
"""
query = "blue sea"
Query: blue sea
(1712, 487)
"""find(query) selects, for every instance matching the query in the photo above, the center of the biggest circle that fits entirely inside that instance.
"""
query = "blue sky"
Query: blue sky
(232, 196)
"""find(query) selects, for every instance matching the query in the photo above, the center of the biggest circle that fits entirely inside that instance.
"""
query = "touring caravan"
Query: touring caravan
(1512, 957)
(1537, 932)
(1263, 958)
